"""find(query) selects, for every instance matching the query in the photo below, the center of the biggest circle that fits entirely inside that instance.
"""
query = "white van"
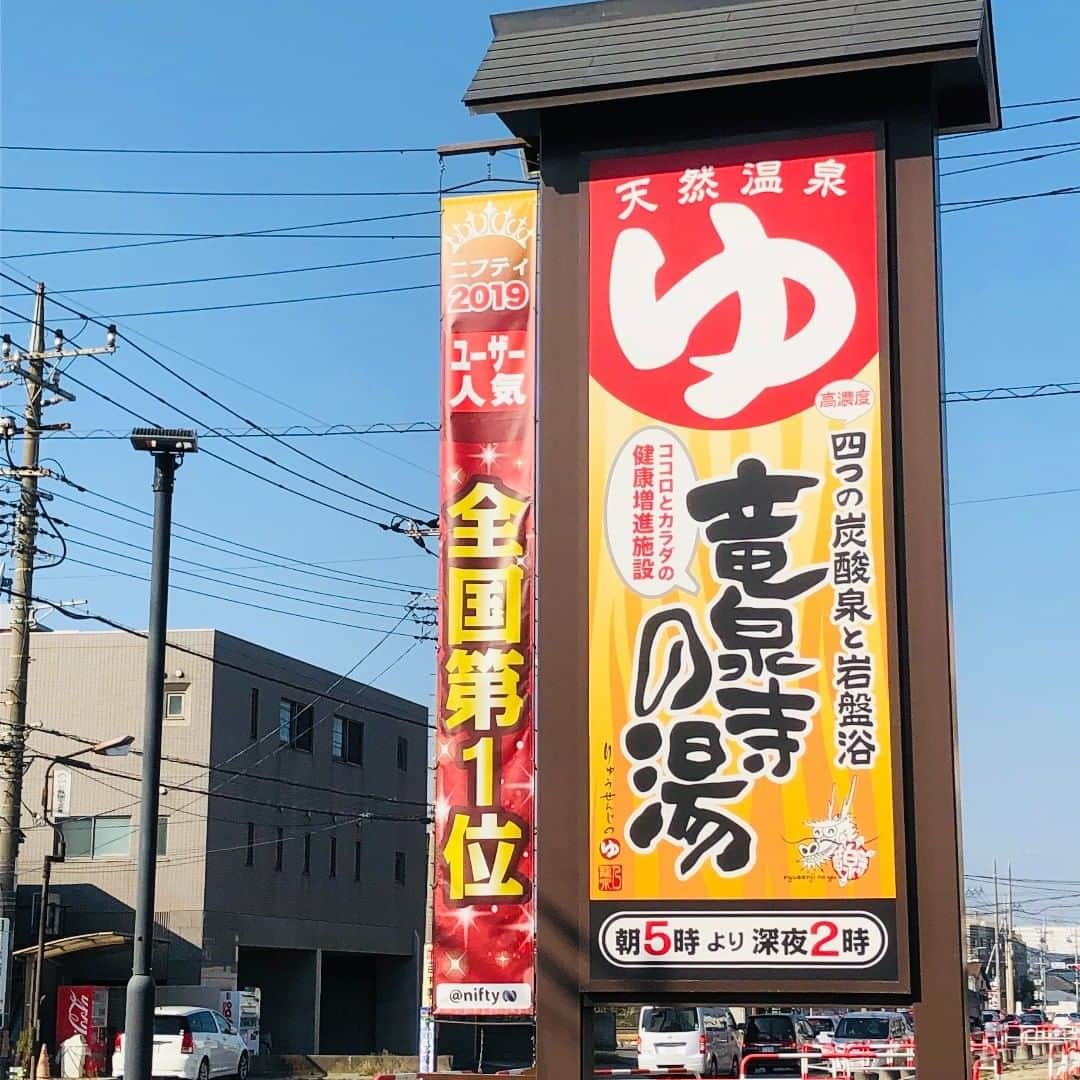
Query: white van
(702, 1040)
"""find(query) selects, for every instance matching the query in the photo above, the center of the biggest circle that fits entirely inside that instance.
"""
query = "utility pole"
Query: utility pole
(1076, 967)
(168, 447)
(30, 366)
(997, 945)
(1010, 974)
(1042, 963)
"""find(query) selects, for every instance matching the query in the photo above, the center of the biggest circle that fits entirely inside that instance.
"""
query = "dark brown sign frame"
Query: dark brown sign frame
(908, 103)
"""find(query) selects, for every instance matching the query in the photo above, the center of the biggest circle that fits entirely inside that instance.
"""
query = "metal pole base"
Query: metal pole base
(139, 1028)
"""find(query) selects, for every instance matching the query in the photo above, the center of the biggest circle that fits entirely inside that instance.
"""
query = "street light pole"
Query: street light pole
(110, 748)
(1076, 968)
(168, 447)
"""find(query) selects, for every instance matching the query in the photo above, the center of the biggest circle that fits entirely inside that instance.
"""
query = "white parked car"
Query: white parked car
(192, 1043)
(700, 1040)
(1069, 1019)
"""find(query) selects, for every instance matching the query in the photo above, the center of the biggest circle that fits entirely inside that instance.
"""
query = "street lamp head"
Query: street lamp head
(117, 747)
(164, 440)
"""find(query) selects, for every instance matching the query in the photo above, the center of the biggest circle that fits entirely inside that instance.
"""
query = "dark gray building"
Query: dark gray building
(292, 829)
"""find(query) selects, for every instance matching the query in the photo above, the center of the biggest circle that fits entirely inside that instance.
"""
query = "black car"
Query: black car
(775, 1033)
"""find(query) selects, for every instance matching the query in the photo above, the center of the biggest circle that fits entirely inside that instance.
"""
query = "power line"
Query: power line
(294, 431)
(206, 541)
(62, 190)
(233, 464)
(80, 616)
(323, 151)
(419, 194)
(271, 303)
(1036, 104)
(83, 544)
(239, 277)
(291, 406)
(250, 800)
(251, 604)
(278, 232)
(284, 231)
(1008, 150)
(397, 605)
(1011, 393)
(1014, 161)
(239, 416)
(204, 766)
(292, 152)
(1015, 498)
(247, 420)
(1020, 127)
(973, 204)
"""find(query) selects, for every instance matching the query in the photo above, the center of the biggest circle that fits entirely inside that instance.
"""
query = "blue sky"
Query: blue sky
(340, 74)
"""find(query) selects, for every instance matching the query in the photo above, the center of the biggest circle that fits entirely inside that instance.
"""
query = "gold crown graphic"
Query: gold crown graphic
(492, 222)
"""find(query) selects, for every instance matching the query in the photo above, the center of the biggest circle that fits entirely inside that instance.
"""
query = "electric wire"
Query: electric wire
(201, 766)
(234, 572)
(280, 232)
(430, 514)
(291, 151)
(186, 650)
(169, 193)
(86, 545)
(294, 431)
(206, 540)
(238, 277)
(232, 600)
(292, 407)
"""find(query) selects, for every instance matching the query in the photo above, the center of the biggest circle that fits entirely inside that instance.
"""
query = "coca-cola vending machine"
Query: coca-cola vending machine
(82, 1014)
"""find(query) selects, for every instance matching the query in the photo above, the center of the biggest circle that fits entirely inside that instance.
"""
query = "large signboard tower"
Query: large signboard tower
(747, 739)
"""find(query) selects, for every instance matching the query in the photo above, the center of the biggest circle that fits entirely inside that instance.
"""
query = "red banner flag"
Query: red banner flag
(483, 932)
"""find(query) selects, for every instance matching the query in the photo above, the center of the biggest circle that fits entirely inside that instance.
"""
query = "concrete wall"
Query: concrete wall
(91, 686)
(310, 794)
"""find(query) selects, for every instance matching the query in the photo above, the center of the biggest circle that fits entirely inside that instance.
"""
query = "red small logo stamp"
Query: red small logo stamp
(610, 878)
(610, 848)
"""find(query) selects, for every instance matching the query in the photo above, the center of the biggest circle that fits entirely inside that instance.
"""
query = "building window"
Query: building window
(175, 709)
(333, 856)
(254, 731)
(358, 860)
(307, 853)
(348, 740)
(162, 836)
(295, 722)
(106, 837)
(399, 867)
(403, 754)
(249, 855)
(279, 854)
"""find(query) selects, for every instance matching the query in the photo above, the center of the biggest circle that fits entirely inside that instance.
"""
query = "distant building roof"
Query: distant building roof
(584, 52)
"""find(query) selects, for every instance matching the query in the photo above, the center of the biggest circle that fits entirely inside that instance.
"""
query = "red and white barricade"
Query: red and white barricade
(898, 1058)
(1063, 1059)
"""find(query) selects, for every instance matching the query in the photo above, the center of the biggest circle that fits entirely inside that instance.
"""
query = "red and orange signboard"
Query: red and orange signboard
(742, 722)
(483, 935)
